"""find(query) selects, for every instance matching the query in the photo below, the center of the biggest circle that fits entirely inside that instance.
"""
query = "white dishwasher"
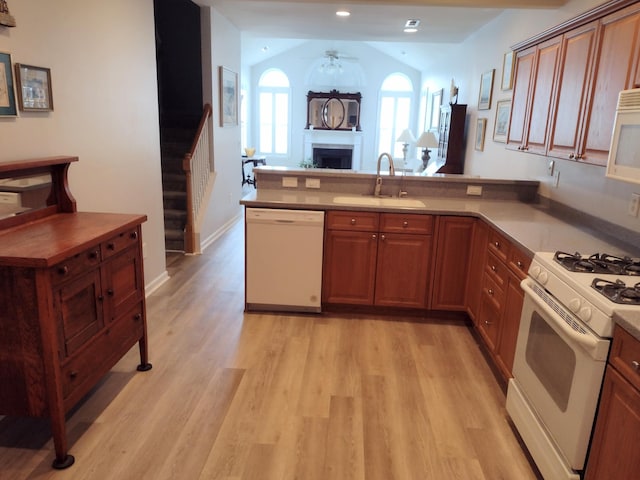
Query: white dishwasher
(283, 259)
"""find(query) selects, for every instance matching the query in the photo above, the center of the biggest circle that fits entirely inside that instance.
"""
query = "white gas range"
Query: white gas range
(561, 353)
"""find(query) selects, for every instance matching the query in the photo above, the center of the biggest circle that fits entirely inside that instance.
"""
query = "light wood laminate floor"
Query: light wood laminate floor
(236, 396)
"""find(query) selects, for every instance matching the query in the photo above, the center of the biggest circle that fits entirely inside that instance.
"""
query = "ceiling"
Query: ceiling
(271, 27)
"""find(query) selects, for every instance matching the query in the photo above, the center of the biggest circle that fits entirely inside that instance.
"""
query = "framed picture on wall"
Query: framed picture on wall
(7, 93)
(481, 126)
(501, 127)
(486, 89)
(34, 88)
(507, 71)
(228, 97)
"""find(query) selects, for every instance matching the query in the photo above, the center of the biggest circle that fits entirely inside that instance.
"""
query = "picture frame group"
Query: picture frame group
(24, 87)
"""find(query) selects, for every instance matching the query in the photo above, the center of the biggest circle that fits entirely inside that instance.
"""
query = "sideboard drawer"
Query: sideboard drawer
(119, 243)
(74, 266)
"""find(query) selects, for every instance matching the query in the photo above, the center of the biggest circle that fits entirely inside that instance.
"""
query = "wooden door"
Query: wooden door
(402, 273)
(520, 100)
(452, 256)
(619, 42)
(474, 280)
(506, 349)
(124, 283)
(349, 267)
(571, 94)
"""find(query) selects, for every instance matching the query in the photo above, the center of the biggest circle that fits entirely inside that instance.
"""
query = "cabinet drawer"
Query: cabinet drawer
(499, 245)
(354, 221)
(497, 270)
(406, 223)
(519, 262)
(81, 372)
(74, 266)
(492, 292)
(119, 242)
(625, 355)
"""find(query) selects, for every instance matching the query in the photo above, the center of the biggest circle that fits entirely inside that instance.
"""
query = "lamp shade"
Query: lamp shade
(427, 140)
(406, 137)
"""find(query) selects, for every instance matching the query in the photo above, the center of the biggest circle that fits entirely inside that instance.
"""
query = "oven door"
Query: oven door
(558, 371)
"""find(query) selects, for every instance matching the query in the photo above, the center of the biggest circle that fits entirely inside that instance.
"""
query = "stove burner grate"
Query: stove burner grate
(617, 291)
(598, 263)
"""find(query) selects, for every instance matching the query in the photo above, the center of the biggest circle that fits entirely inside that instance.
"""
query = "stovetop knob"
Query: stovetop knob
(535, 271)
(585, 314)
(574, 305)
(543, 278)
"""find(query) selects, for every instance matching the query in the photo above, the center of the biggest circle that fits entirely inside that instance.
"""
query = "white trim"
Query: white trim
(210, 240)
(156, 283)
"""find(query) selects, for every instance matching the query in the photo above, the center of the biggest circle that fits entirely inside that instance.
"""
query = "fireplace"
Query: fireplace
(348, 142)
(332, 157)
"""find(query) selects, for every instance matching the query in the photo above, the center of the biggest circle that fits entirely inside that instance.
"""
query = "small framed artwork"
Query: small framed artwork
(7, 92)
(228, 97)
(436, 103)
(481, 126)
(486, 89)
(501, 127)
(507, 71)
(34, 88)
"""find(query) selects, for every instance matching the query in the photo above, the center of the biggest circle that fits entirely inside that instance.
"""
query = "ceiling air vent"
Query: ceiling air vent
(412, 23)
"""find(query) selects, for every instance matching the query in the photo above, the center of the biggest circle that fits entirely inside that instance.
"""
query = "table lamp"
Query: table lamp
(406, 137)
(426, 141)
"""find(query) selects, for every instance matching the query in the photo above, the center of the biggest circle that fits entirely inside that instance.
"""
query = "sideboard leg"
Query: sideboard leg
(144, 356)
(63, 459)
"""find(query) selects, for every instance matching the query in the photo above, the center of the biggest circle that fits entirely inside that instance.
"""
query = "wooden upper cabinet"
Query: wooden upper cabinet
(616, 70)
(567, 83)
(546, 64)
(572, 88)
(519, 103)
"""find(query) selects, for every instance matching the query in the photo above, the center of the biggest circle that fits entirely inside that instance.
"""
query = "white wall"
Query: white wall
(365, 75)
(102, 60)
(223, 50)
(583, 187)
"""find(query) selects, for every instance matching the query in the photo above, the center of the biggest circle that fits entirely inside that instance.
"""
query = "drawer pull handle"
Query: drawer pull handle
(137, 316)
(73, 374)
(493, 268)
(374, 236)
(63, 270)
(353, 221)
(382, 237)
(487, 322)
(405, 224)
(519, 264)
(100, 298)
(490, 291)
(497, 244)
(93, 255)
(134, 235)
(636, 365)
(111, 246)
(110, 292)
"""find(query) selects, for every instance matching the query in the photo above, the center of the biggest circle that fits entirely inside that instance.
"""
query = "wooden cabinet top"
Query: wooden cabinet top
(50, 240)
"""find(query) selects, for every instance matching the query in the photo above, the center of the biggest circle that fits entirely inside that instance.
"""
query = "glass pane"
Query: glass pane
(387, 105)
(551, 359)
(281, 131)
(397, 82)
(266, 126)
(274, 78)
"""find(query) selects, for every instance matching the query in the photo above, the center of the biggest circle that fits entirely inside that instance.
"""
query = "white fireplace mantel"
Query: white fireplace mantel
(337, 138)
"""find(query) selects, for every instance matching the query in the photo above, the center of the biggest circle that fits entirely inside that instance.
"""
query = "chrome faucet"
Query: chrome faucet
(392, 171)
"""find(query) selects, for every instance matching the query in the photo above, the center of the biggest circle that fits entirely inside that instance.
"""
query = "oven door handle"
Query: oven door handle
(587, 341)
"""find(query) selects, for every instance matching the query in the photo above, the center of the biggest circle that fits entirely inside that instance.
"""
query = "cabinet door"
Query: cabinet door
(453, 251)
(476, 268)
(576, 64)
(506, 349)
(79, 307)
(619, 38)
(349, 267)
(520, 101)
(123, 281)
(402, 271)
(490, 317)
(614, 452)
(542, 89)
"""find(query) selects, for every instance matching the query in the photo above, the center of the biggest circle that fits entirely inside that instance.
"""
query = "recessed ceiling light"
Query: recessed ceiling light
(343, 13)
(410, 30)
(264, 49)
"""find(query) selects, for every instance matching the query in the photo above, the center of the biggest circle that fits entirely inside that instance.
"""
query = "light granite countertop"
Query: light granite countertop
(528, 225)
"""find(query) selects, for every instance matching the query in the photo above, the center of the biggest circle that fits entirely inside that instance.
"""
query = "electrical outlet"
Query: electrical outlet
(312, 183)
(290, 182)
(474, 190)
(551, 166)
(634, 205)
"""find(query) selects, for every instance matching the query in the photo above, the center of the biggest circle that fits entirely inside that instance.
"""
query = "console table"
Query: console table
(72, 299)
(248, 179)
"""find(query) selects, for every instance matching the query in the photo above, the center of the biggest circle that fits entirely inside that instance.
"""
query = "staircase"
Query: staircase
(175, 142)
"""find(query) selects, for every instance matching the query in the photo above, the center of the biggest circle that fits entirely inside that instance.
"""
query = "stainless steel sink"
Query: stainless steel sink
(379, 201)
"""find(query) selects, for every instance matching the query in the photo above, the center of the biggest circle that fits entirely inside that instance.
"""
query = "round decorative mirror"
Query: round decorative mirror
(333, 113)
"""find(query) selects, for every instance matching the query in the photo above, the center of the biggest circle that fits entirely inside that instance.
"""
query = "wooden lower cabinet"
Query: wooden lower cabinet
(614, 449)
(476, 269)
(453, 252)
(378, 259)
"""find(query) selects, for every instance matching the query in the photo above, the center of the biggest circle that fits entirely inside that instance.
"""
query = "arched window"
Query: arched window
(273, 112)
(396, 95)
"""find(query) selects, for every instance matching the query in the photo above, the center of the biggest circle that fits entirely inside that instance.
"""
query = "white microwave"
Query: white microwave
(624, 154)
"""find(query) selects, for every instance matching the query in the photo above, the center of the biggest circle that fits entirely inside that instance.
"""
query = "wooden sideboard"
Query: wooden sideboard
(72, 299)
